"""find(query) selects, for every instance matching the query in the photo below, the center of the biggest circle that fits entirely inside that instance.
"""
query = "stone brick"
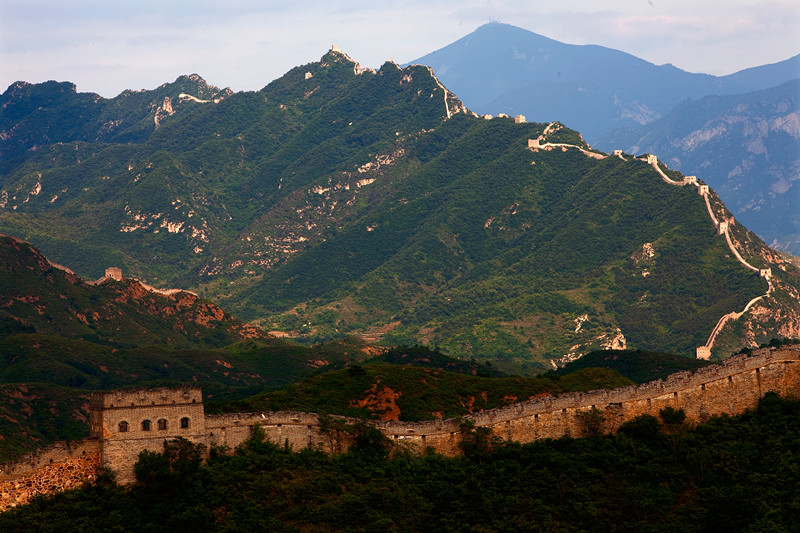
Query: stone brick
(730, 388)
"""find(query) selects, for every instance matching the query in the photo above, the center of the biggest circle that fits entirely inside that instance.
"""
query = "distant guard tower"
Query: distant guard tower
(114, 273)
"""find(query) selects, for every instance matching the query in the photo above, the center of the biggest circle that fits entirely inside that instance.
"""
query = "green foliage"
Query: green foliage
(591, 422)
(643, 428)
(476, 443)
(426, 386)
(672, 417)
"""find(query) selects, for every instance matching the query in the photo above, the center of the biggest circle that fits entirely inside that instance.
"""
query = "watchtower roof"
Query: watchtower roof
(142, 397)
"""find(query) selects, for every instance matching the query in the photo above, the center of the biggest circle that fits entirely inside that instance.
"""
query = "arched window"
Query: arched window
(123, 427)
(145, 425)
(162, 424)
(184, 423)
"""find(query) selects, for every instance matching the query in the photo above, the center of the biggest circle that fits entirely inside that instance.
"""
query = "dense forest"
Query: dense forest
(656, 474)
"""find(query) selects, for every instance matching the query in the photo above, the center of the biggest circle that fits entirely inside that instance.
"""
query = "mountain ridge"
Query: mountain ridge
(499, 68)
(728, 139)
(345, 201)
(482, 74)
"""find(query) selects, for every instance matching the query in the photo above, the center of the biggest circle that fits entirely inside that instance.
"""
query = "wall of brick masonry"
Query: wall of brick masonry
(730, 388)
(120, 450)
(55, 468)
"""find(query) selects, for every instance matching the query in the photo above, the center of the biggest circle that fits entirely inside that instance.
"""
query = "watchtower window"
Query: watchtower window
(123, 427)
(145, 425)
(184, 423)
(162, 424)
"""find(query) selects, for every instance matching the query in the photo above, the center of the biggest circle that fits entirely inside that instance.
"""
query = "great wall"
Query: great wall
(125, 423)
(722, 226)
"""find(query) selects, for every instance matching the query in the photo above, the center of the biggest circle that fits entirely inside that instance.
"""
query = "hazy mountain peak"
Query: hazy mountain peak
(500, 68)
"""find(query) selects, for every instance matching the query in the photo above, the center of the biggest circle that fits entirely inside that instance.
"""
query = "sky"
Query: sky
(107, 46)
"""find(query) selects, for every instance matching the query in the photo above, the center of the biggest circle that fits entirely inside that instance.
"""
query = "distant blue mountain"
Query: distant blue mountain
(500, 68)
(737, 132)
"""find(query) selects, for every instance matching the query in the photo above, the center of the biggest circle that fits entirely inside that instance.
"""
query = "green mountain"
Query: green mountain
(61, 337)
(738, 132)
(747, 146)
(40, 297)
(343, 201)
(637, 365)
(38, 115)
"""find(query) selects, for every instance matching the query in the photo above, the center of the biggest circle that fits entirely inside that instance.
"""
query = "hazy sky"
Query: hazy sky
(106, 46)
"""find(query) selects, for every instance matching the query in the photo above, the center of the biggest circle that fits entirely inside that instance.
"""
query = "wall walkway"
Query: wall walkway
(729, 388)
(723, 227)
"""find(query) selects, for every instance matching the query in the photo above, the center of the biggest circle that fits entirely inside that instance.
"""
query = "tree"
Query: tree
(591, 422)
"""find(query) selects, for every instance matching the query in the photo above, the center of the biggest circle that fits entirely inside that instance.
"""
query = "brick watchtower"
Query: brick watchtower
(129, 421)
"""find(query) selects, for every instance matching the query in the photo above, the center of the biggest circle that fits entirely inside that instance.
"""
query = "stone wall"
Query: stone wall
(54, 468)
(143, 411)
(729, 388)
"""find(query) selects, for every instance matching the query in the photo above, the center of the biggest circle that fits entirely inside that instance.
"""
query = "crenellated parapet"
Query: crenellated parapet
(57, 467)
(730, 388)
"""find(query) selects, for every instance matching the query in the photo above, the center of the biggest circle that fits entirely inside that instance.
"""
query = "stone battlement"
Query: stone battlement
(57, 467)
(58, 452)
(125, 423)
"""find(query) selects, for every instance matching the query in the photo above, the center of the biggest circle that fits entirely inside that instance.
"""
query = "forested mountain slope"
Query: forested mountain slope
(339, 200)
(738, 131)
